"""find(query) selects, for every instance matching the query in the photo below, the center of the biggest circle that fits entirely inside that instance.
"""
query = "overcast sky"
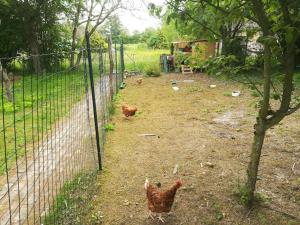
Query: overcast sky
(139, 19)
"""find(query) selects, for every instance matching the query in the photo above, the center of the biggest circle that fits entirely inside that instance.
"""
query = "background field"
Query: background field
(138, 57)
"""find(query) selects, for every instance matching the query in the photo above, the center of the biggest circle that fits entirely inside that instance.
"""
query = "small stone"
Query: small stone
(175, 171)
(126, 203)
(209, 164)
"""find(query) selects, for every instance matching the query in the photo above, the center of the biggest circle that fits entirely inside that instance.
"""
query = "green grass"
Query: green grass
(74, 202)
(46, 99)
(138, 57)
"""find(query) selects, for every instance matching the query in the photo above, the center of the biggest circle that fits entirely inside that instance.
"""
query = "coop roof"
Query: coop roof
(194, 41)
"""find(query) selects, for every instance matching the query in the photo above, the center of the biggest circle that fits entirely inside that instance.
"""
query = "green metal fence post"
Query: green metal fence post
(122, 60)
(116, 64)
(88, 46)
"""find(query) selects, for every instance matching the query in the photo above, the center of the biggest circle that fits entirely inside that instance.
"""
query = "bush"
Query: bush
(222, 65)
(182, 59)
(152, 71)
(157, 41)
(253, 63)
(197, 60)
(109, 127)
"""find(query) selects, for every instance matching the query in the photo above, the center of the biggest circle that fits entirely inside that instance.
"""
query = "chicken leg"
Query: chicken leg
(150, 215)
(160, 218)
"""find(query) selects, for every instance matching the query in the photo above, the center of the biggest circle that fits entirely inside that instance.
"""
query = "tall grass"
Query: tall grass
(74, 202)
(138, 57)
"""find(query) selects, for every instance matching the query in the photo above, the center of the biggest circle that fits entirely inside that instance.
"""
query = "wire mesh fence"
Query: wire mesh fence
(48, 127)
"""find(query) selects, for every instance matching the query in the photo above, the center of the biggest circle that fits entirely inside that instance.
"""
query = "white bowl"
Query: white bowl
(236, 93)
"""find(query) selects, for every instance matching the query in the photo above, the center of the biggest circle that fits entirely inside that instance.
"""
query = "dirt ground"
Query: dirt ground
(196, 125)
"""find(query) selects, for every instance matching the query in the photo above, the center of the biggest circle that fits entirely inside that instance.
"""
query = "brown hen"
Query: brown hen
(129, 110)
(160, 201)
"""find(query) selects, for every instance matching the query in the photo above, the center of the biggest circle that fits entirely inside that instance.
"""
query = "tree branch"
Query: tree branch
(277, 116)
(192, 18)
(292, 110)
(285, 11)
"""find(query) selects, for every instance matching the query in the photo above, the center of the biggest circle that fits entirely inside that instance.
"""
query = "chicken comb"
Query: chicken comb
(179, 183)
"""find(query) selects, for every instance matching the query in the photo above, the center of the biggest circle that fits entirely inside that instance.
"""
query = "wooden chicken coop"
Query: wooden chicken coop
(201, 48)
(198, 49)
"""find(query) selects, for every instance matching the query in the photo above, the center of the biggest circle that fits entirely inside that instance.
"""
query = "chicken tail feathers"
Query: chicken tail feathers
(146, 184)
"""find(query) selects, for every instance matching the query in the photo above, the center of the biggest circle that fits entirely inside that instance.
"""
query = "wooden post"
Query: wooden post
(6, 82)
(111, 67)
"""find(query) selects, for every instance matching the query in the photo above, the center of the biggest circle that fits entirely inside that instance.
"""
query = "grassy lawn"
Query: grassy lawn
(39, 102)
(138, 57)
(73, 203)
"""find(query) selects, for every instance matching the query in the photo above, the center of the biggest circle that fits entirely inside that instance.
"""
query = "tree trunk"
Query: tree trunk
(73, 47)
(74, 34)
(259, 133)
(6, 82)
(34, 50)
(111, 67)
(252, 171)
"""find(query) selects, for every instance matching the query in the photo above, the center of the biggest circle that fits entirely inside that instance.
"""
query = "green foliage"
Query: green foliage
(152, 71)
(221, 65)
(170, 32)
(73, 203)
(234, 46)
(109, 127)
(200, 19)
(9, 108)
(157, 41)
(111, 109)
(242, 193)
(197, 60)
(230, 66)
(114, 27)
(255, 94)
(153, 38)
(98, 40)
(58, 87)
(218, 213)
(227, 94)
(24, 23)
(253, 63)
(182, 59)
(112, 106)
(139, 56)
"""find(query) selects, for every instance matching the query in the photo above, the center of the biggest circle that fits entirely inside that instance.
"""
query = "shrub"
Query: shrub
(222, 65)
(157, 41)
(109, 127)
(182, 59)
(152, 71)
(231, 66)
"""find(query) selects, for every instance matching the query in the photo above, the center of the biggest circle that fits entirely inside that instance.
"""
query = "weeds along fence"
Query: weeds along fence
(52, 127)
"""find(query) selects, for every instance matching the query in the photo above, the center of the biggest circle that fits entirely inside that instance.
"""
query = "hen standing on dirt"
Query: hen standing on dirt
(160, 201)
(128, 110)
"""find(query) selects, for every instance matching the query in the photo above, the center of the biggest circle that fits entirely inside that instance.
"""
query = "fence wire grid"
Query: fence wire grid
(48, 127)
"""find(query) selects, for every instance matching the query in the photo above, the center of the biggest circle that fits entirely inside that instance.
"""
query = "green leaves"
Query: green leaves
(154, 9)
(201, 19)
(267, 40)
(290, 34)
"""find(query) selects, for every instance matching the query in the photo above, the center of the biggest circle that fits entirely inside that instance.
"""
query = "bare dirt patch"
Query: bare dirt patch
(208, 134)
